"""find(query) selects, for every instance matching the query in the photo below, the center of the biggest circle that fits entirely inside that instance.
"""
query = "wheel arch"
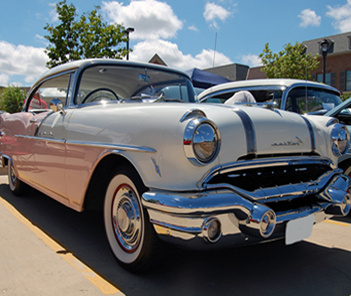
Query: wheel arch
(95, 194)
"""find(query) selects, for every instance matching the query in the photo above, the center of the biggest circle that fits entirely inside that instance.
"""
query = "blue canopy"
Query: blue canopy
(204, 79)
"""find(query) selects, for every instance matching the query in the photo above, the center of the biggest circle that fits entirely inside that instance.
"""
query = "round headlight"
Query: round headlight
(340, 140)
(205, 142)
(201, 141)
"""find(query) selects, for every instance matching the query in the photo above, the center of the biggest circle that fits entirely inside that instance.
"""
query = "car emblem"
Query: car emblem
(298, 142)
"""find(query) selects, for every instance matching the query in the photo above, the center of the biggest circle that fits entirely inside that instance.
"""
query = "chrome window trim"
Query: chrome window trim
(38, 85)
(92, 144)
(119, 63)
(249, 131)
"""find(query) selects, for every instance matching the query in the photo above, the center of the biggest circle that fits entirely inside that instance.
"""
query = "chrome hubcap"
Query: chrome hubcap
(126, 218)
(12, 176)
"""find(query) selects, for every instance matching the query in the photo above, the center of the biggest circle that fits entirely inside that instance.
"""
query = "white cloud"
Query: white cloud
(151, 19)
(251, 60)
(342, 16)
(193, 28)
(309, 18)
(213, 12)
(53, 14)
(21, 60)
(4, 79)
(173, 57)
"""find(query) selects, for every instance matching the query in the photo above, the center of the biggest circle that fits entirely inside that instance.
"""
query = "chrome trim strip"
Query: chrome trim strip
(193, 113)
(312, 137)
(40, 139)
(256, 163)
(249, 130)
(92, 144)
(113, 146)
(332, 122)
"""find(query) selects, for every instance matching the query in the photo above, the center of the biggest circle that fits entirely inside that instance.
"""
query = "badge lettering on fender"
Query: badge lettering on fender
(298, 142)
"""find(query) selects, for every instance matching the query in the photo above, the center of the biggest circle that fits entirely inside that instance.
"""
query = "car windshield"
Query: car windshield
(260, 96)
(305, 100)
(126, 84)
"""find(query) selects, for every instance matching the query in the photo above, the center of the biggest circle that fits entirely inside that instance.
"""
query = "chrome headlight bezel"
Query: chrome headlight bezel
(194, 140)
(340, 138)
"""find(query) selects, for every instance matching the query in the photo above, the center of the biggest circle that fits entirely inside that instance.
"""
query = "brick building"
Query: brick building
(338, 62)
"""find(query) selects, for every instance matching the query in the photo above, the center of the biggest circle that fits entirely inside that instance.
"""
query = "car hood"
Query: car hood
(243, 130)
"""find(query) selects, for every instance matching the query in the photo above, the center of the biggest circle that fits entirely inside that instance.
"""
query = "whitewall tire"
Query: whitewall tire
(130, 234)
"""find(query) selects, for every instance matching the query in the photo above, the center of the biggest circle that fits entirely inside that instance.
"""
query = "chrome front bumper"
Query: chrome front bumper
(222, 216)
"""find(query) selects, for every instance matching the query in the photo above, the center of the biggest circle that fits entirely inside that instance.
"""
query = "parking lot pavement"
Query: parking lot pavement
(31, 263)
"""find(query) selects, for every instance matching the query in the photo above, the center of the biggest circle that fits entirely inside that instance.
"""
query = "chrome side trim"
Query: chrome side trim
(40, 139)
(92, 144)
(249, 131)
(113, 146)
(256, 163)
(312, 137)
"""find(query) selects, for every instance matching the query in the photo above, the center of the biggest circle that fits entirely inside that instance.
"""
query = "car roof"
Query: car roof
(71, 66)
(277, 82)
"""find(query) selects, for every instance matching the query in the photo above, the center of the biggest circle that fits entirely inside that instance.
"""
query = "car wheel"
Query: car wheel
(131, 236)
(17, 187)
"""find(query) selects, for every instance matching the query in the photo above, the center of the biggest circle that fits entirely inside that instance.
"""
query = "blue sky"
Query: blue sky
(185, 33)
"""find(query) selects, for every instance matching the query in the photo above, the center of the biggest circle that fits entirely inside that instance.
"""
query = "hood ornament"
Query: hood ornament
(298, 142)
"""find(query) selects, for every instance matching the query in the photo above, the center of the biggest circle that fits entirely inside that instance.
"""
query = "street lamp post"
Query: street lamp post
(127, 31)
(324, 47)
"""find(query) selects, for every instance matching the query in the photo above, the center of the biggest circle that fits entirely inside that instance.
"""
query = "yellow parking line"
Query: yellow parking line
(104, 286)
(337, 223)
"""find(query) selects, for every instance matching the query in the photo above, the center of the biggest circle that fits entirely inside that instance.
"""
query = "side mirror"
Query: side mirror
(56, 105)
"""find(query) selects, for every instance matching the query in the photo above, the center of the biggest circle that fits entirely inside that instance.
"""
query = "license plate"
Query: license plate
(298, 229)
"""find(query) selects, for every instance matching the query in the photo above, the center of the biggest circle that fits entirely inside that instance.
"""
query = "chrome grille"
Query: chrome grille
(268, 177)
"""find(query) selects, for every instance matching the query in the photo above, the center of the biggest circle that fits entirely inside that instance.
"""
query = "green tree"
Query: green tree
(11, 99)
(292, 62)
(88, 37)
(345, 96)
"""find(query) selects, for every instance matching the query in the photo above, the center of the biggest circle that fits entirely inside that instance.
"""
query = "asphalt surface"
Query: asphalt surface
(49, 249)
(32, 263)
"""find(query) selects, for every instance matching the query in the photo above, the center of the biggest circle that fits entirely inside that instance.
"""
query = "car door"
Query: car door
(50, 140)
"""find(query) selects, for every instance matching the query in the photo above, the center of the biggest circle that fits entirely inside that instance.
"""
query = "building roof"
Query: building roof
(156, 59)
(341, 44)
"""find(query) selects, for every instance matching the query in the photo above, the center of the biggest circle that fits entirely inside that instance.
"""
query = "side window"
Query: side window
(56, 87)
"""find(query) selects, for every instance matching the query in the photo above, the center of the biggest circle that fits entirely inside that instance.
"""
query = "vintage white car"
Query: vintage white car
(300, 96)
(295, 95)
(130, 139)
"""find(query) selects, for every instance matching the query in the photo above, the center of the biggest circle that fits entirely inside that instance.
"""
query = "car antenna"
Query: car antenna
(214, 56)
